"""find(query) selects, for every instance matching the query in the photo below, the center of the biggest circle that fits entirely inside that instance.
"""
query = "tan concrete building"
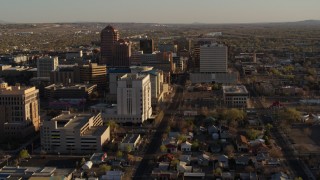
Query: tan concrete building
(235, 96)
(74, 133)
(75, 91)
(19, 107)
(133, 100)
(94, 74)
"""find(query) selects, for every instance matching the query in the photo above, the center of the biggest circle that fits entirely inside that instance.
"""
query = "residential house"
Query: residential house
(203, 160)
(223, 161)
(182, 167)
(185, 158)
(172, 148)
(171, 144)
(113, 175)
(166, 158)
(242, 160)
(186, 146)
(224, 136)
(213, 129)
(227, 176)
(249, 176)
(261, 159)
(280, 176)
(242, 143)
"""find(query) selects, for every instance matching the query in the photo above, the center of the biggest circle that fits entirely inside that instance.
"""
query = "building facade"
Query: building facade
(136, 58)
(109, 36)
(235, 96)
(65, 74)
(19, 107)
(147, 46)
(213, 58)
(134, 97)
(75, 91)
(45, 65)
(94, 74)
(74, 133)
(121, 54)
(133, 100)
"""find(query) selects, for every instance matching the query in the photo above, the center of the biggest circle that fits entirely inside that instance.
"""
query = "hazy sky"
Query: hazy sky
(159, 11)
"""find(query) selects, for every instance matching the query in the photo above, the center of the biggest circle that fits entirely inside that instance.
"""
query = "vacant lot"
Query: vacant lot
(305, 138)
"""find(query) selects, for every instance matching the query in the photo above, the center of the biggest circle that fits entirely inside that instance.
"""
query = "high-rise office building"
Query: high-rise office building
(136, 58)
(45, 65)
(19, 107)
(213, 58)
(121, 54)
(147, 46)
(109, 36)
(168, 48)
(134, 97)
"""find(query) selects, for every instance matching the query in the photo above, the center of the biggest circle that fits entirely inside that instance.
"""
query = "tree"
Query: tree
(290, 115)
(113, 125)
(24, 154)
(217, 172)
(195, 145)
(269, 127)
(128, 148)
(163, 148)
(103, 168)
(233, 116)
(229, 150)
(83, 160)
(119, 154)
(252, 134)
(174, 163)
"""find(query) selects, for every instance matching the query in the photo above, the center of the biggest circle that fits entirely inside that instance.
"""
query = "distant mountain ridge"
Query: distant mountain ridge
(302, 22)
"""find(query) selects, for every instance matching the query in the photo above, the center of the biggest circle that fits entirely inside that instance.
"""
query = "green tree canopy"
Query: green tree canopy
(290, 115)
(233, 115)
(104, 168)
(163, 148)
(119, 154)
(24, 154)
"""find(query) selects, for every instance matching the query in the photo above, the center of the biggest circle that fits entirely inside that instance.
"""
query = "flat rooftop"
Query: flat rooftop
(237, 89)
(71, 120)
(130, 138)
(135, 76)
(103, 105)
(16, 90)
(95, 131)
(74, 87)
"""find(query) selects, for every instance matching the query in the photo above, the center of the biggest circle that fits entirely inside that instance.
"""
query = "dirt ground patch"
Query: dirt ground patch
(305, 138)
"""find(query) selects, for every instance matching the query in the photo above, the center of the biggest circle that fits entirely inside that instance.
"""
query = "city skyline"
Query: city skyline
(143, 11)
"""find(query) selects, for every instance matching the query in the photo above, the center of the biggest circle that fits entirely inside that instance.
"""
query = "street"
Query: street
(147, 163)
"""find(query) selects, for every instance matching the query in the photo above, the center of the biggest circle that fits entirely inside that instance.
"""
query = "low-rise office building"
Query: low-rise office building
(235, 96)
(77, 91)
(74, 133)
(130, 142)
